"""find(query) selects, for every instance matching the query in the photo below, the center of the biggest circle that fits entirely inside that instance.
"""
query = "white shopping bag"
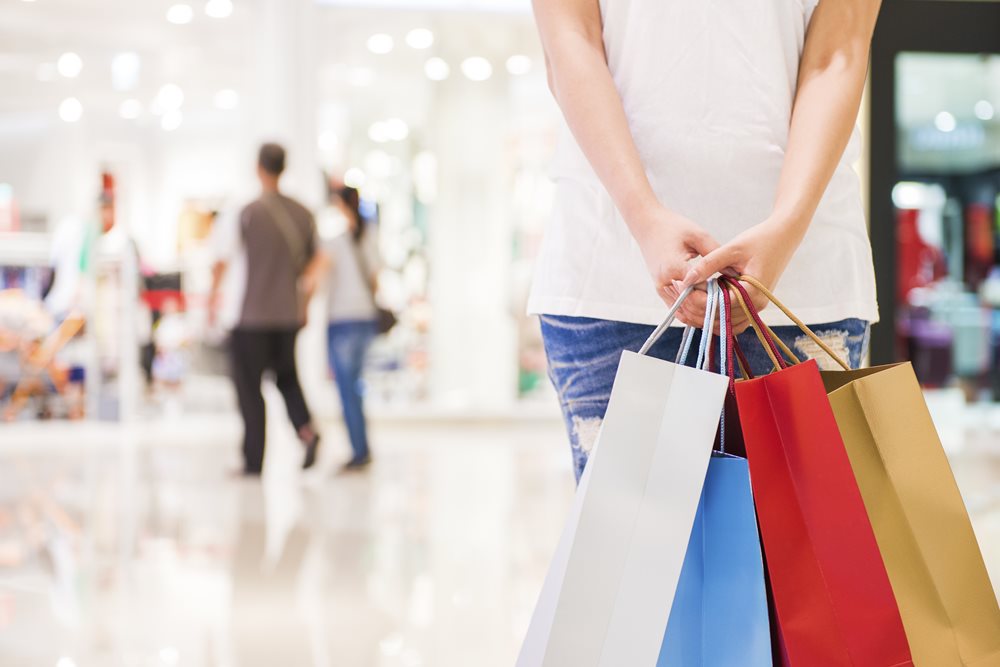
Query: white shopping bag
(609, 589)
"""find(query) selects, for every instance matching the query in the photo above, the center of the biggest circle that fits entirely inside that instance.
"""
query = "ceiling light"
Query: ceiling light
(420, 38)
(378, 132)
(171, 120)
(69, 65)
(170, 98)
(945, 121)
(218, 9)
(125, 69)
(984, 110)
(380, 43)
(63, 661)
(477, 68)
(518, 64)
(227, 99)
(354, 178)
(70, 110)
(436, 69)
(180, 14)
(396, 129)
(130, 109)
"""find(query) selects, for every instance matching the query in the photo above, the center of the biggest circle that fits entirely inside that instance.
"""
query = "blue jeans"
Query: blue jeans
(583, 356)
(347, 342)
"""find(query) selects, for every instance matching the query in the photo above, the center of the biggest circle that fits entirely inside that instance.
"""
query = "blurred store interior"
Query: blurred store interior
(134, 126)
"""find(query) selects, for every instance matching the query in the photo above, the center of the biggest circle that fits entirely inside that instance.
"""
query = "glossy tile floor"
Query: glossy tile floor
(132, 546)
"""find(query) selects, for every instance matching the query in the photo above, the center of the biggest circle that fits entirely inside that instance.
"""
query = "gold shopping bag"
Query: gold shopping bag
(945, 598)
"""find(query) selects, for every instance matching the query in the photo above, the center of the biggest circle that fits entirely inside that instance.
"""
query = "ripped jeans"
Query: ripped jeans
(583, 356)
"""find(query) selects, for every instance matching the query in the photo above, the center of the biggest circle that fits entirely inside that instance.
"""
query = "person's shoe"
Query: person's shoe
(244, 473)
(355, 465)
(312, 449)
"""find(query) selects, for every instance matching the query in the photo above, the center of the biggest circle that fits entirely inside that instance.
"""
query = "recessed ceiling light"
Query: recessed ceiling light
(518, 64)
(477, 68)
(378, 132)
(354, 178)
(218, 9)
(380, 43)
(69, 65)
(984, 110)
(171, 120)
(125, 68)
(227, 99)
(420, 38)
(130, 109)
(396, 129)
(70, 110)
(180, 14)
(436, 69)
(945, 121)
(169, 98)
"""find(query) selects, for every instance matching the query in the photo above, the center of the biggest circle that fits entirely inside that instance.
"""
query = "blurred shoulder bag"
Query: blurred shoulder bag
(385, 319)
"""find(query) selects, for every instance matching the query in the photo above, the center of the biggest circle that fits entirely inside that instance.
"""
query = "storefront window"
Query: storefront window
(947, 223)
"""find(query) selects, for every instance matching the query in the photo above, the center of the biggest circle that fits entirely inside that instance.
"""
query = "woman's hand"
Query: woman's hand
(668, 242)
(763, 251)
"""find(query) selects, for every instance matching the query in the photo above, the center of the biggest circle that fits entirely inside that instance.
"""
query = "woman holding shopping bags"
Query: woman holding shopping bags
(719, 131)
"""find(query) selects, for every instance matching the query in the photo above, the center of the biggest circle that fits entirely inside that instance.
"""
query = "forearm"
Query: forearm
(218, 273)
(586, 93)
(831, 80)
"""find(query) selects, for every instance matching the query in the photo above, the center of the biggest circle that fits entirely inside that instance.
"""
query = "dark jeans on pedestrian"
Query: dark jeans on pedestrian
(254, 351)
(348, 342)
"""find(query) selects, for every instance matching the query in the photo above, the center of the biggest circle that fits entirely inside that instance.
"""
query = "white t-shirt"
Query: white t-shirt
(349, 297)
(707, 89)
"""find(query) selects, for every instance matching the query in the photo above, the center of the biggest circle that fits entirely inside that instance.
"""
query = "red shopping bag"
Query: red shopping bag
(832, 595)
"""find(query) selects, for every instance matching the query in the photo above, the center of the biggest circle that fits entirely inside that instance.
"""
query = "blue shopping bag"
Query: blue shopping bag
(719, 616)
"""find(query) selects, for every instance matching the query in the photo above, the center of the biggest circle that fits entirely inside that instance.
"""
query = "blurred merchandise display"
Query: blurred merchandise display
(947, 219)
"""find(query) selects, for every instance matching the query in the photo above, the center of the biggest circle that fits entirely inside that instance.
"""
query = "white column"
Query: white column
(473, 338)
(284, 102)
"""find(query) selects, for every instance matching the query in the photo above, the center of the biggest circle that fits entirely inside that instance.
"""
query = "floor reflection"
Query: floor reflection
(136, 547)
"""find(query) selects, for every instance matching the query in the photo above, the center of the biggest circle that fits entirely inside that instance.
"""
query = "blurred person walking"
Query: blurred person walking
(273, 244)
(720, 131)
(354, 264)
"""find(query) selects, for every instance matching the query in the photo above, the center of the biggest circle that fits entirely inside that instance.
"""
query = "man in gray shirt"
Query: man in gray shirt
(277, 248)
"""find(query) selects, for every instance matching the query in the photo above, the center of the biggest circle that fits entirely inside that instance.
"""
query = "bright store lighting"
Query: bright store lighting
(984, 110)
(69, 65)
(125, 68)
(477, 69)
(70, 110)
(169, 655)
(380, 43)
(130, 109)
(354, 178)
(170, 98)
(218, 9)
(518, 64)
(226, 99)
(420, 38)
(436, 69)
(396, 129)
(46, 72)
(945, 121)
(171, 120)
(180, 14)
(378, 132)
(64, 661)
